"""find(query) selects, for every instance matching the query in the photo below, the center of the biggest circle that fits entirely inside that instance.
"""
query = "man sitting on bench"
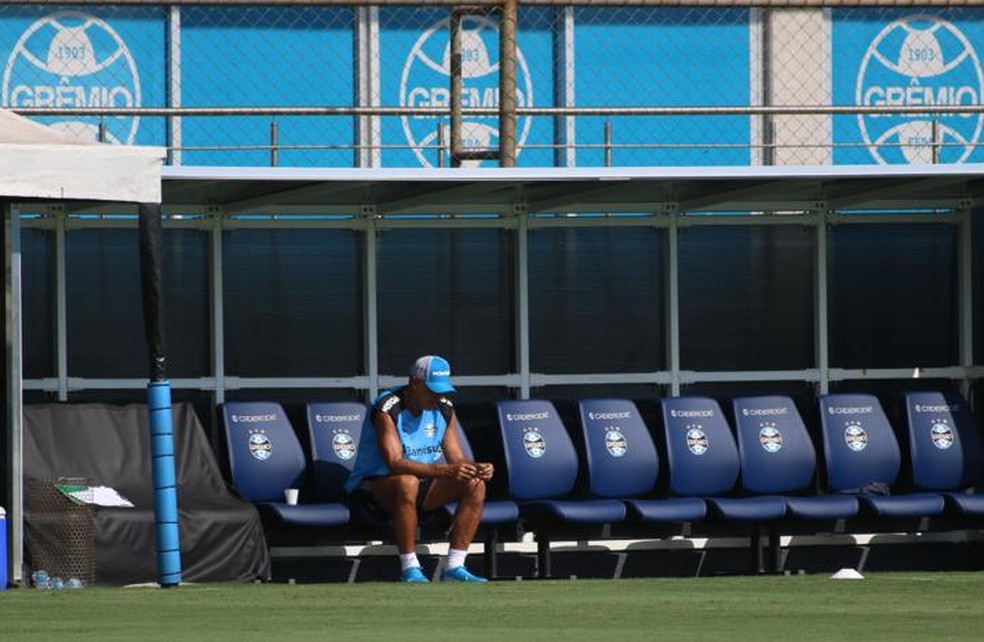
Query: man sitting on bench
(403, 437)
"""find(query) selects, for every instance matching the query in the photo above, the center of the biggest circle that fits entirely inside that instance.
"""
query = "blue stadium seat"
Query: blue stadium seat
(622, 463)
(501, 511)
(778, 457)
(265, 457)
(862, 453)
(542, 468)
(703, 462)
(334, 428)
(945, 444)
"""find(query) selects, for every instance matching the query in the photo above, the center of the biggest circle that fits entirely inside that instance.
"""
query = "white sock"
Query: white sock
(408, 560)
(456, 558)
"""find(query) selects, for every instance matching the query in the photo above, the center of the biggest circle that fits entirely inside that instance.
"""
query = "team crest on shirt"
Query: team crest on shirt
(260, 446)
(770, 438)
(615, 442)
(941, 434)
(343, 445)
(697, 441)
(430, 430)
(534, 443)
(855, 436)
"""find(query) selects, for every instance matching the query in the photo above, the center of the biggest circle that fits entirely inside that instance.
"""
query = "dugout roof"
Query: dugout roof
(39, 162)
(587, 190)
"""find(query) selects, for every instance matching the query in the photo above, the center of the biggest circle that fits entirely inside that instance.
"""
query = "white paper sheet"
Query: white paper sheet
(97, 495)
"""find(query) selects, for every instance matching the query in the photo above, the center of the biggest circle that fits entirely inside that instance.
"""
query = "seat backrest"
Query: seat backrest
(858, 442)
(334, 428)
(944, 441)
(776, 453)
(700, 449)
(620, 454)
(265, 456)
(541, 462)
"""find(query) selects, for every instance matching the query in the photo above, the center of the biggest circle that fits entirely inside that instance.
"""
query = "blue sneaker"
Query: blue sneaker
(460, 574)
(414, 575)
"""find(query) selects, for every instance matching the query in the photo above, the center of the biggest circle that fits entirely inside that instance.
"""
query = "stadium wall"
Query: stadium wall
(380, 75)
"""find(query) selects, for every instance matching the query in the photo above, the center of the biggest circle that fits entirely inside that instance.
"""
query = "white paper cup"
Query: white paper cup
(290, 496)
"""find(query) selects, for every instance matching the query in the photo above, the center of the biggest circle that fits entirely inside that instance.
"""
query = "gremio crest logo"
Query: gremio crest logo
(534, 443)
(71, 59)
(941, 434)
(920, 60)
(260, 446)
(855, 436)
(615, 442)
(426, 82)
(770, 438)
(343, 445)
(697, 441)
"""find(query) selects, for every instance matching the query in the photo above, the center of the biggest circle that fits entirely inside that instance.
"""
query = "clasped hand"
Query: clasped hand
(468, 471)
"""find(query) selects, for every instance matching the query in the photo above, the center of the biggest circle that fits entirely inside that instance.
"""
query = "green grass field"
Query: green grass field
(887, 606)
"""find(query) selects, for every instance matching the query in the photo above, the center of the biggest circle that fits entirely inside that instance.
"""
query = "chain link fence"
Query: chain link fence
(638, 83)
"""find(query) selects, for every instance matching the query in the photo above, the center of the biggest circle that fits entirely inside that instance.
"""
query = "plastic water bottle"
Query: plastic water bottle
(40, 579)
(74, 583)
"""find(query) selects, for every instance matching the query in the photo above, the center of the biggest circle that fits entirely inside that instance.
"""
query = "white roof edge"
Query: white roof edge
(492, 174)
(40, 162)
(113, 173)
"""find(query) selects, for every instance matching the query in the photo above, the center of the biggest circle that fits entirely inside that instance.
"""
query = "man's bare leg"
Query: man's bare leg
(397, 495)
(470, 496)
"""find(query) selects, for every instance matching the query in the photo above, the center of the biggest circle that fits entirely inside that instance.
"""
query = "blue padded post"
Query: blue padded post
(777, 455)
(621, 456)
(165, 486)
(700, 448)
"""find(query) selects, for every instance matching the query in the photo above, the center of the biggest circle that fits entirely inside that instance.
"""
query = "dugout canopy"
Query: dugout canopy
(38, 162)
(570, 190)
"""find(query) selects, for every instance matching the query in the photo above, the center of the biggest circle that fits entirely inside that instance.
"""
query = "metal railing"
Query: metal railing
(444, 149)
(606, 77)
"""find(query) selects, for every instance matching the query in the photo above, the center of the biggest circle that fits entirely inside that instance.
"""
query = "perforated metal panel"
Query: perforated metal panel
(60, 532)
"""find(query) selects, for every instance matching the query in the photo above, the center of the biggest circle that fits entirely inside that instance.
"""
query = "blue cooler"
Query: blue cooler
(3, 549)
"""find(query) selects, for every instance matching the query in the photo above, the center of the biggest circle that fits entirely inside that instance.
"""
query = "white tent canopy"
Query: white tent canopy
(40, 162)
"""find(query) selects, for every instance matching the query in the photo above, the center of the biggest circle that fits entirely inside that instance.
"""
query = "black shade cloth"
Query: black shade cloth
(221, 534)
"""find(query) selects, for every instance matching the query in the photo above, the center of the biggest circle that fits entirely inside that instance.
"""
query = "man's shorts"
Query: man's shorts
(363, 494)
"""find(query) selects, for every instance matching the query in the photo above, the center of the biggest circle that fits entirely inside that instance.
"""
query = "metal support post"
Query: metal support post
(507, 84)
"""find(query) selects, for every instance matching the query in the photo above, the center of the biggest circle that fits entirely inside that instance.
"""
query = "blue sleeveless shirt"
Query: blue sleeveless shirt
(420, 436)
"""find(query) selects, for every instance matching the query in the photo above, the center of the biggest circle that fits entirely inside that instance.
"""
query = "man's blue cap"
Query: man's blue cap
(435, 372)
